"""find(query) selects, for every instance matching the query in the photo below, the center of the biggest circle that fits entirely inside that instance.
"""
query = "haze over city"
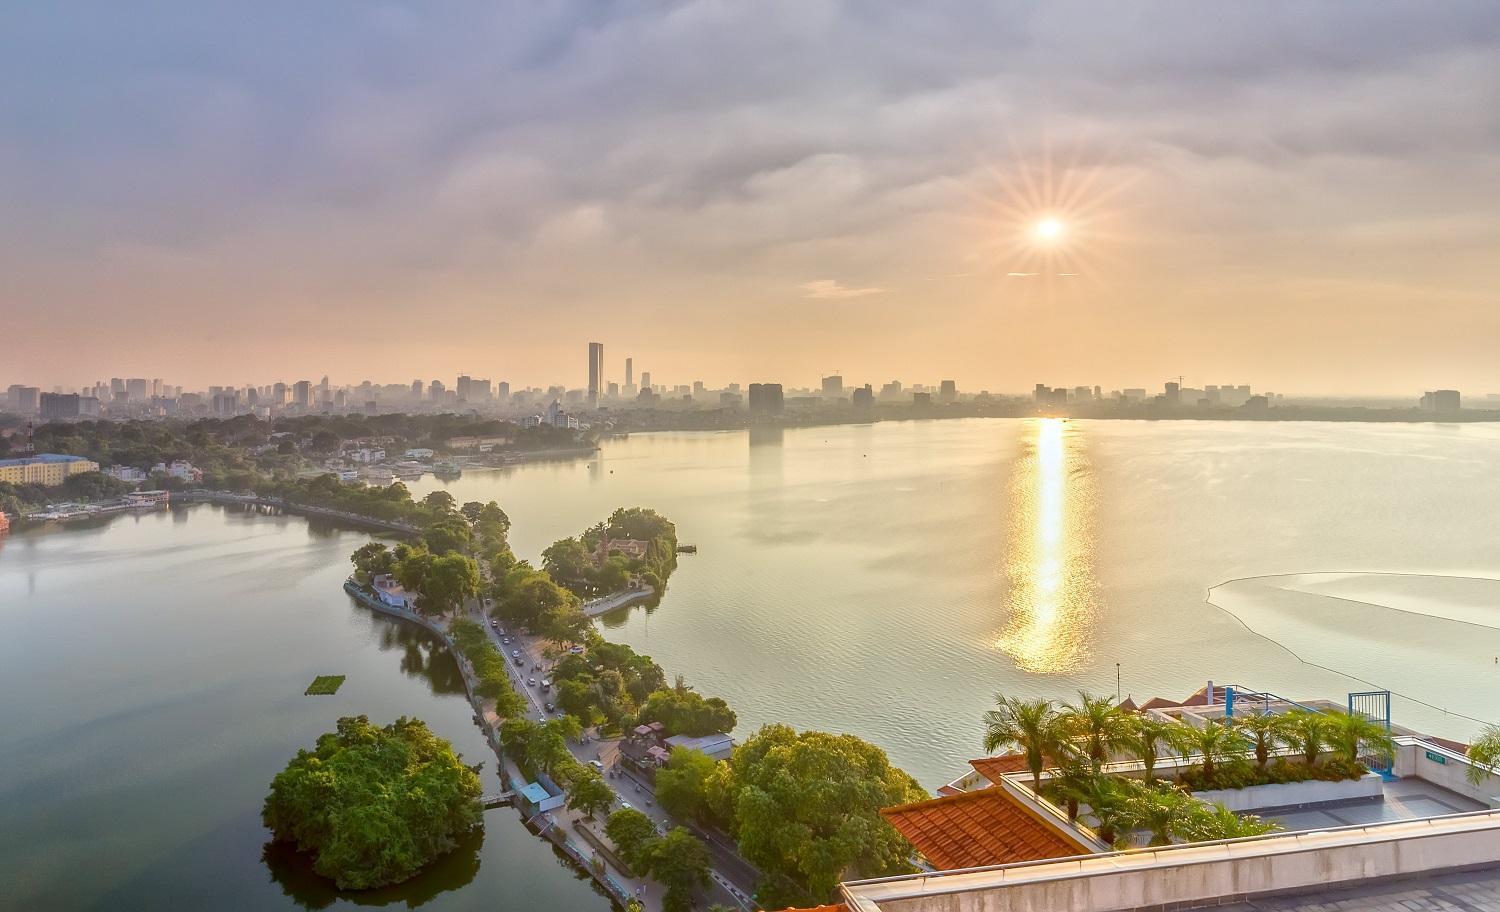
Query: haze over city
(1300, 194)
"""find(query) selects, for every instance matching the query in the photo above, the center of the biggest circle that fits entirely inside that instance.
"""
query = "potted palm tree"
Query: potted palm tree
(1214, 743)
(1104, 797)
(1145, 738)
(1352, 735)
(1162, 810)
(1032, 727)
(1307, 731)
(1265, 731)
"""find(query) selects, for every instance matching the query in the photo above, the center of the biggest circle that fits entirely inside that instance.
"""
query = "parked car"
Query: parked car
(576, 650)
(494, 625)
(625, 806)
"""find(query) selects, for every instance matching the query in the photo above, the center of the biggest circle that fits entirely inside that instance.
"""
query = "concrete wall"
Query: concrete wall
(1449, 772)
(1292, 794)
(1198, 874)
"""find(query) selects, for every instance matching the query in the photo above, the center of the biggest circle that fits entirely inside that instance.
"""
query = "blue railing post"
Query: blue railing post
(1229, 701)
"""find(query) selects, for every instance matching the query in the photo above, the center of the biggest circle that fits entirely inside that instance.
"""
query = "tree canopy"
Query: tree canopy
(806, 806)
(373, 805)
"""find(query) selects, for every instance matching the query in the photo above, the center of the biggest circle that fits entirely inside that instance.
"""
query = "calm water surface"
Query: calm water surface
(888, 579)
(884, 580)
(153, 670)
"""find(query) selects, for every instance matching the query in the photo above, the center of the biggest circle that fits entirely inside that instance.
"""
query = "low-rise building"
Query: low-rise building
(46, 469)
(390, 592)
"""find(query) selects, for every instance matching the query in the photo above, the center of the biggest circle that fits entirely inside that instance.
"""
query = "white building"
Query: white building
(390, 592)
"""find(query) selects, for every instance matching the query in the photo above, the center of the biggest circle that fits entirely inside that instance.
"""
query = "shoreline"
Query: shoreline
(509, 774)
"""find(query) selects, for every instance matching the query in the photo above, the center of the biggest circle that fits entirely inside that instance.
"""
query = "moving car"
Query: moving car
(594, 763)
(549, 707)
(531, 682)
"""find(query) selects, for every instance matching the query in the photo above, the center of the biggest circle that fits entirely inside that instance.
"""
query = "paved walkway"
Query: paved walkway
(637, 793)
(1473, 891)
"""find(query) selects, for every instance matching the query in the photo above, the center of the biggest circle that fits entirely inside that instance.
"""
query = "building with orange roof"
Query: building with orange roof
(985, 827)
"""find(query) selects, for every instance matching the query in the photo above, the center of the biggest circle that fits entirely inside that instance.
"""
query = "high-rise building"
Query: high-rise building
(416, 389)
(645, 380)
(281, 395)
(596, 372)
(629, 373)
(948, 391)
(502, 392)
(59, 406)
(864, 397)
(613, 390)
(435, 390)
(1441, 401)
(921, 400)
(833, 386)
(465, 386)
(766, 399)
(137, 389)
(1173, 394)
(302, 394)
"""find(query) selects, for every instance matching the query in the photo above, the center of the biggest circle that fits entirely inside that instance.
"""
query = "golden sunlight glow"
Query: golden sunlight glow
(1048, 229)
(1049, 562)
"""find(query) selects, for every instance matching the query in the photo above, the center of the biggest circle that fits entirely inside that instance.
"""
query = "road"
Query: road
(733, 878)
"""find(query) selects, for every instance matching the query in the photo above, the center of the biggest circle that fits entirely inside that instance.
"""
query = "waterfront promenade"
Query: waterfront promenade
(607, 603)
(732, 879)
(255, 500)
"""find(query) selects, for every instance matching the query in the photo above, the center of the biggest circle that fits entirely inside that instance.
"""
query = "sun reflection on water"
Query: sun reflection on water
(1050, 561)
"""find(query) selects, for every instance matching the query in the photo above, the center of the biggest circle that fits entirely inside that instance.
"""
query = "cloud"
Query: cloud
(830, 288)
(1021, 275)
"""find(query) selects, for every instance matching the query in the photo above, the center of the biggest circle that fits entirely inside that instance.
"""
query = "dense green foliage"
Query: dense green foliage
(489, 667)
(84, 487)
(806, 807)
(682, 785)
(678, 860)
(1241, 773)
(685, 712)
(374, 805)
(543, 747)
(577, 565)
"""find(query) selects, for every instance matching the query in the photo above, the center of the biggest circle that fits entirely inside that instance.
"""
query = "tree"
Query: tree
(374, 805)
(1211, 822)
(680, 861)
(448, 535)
(1484, 755)
(632, 833)
(1104, 798)
(1145, 738)
(1265, 731)
(472, 510)
(590, 794)
(1307, 731)
(1214, 743)
(807, 806)
(449, 581)
(439, 502)
(569, 563)
(685, 712)
(1096, 724)
(1353, 734)
(576, 699)
(371, 559)
(1032, 727)
(1163, 810)
(682, 785)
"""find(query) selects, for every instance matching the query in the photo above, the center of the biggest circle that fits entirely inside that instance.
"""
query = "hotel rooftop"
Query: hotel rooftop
(1416, 836)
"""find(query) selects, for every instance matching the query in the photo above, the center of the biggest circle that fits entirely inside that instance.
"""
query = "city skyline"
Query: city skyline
(993, 213)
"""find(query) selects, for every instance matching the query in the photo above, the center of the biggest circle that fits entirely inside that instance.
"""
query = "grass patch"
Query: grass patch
(324, 685)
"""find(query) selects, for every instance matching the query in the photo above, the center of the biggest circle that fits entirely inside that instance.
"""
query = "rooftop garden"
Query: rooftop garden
(1071, 743)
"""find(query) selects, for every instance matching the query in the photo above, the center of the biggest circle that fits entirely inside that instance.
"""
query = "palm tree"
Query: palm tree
(1163, 810)
(1352, 734)
(1266, 731)
(1096, 724)
(1307, 731)
(1030, 726)
(1214, 742)
(1484, 755)
(1215, 821)
(1145, 737)
(1105, 798)
(1072, 779)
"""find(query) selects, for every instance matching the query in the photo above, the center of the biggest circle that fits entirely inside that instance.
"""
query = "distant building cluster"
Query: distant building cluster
(46, 469)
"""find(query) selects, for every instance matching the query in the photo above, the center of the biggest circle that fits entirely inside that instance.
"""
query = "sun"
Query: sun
(1048, 229)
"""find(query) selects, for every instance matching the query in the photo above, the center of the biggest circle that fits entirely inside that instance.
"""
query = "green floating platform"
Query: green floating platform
(324, 684)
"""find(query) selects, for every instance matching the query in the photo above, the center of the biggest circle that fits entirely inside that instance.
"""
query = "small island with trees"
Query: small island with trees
(374, 805)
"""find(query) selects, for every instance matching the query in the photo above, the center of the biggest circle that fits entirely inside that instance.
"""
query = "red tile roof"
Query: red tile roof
(984, 827)
(1128, 705)
(992, 768)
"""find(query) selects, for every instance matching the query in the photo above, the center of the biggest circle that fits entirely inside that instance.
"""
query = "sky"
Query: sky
(1303, 196)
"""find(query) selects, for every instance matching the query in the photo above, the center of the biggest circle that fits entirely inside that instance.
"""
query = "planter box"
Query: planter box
(1294, 794)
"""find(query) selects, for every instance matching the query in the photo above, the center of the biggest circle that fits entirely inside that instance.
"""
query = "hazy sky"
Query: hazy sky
(1303, 196)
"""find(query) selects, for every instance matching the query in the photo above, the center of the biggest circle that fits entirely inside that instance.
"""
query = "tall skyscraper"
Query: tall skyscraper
(465, 386)
(766, 398)
(302, 394)
(645, 380)
(596, 372)
(947, 391)
(833, 386)
(629, 373)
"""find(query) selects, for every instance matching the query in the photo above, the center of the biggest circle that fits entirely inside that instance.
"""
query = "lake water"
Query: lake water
(153, 670)
(884, 580)
(889, 579)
